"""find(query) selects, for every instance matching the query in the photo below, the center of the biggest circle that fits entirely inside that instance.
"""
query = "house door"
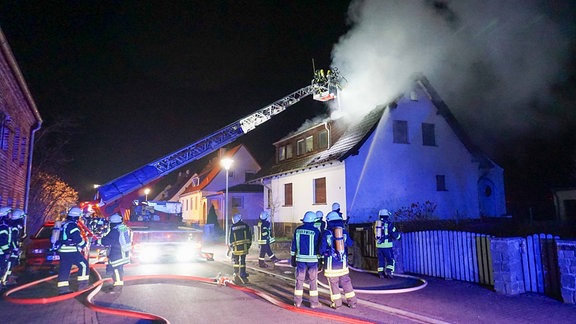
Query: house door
(486, 197)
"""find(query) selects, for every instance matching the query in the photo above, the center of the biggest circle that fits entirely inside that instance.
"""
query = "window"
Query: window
(23, 144)
(300, 148)
(428, 135)
(323, 139)
(281, 153)
(400, 129)
(309, 144)
(320, 191)
(16, 144)
(441, 183)
(237, 202)
(249, 175)
(288, 194)
(289, 151)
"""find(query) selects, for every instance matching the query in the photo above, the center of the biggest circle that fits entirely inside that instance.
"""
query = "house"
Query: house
(408, 154)
(565, 203)
(206, 190)
(19, 120)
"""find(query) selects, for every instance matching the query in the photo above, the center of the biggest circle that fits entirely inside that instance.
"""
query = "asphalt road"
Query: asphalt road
(179, 300)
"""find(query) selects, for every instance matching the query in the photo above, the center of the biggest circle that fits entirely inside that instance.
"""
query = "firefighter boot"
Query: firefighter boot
(381, 275)
(275, 259)
(262, 264)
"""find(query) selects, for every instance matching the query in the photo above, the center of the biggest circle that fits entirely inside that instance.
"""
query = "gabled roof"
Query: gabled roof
(211, 171)
(354, 135)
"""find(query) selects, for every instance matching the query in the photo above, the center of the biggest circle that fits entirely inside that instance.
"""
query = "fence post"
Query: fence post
(567, 266)
(507, 265)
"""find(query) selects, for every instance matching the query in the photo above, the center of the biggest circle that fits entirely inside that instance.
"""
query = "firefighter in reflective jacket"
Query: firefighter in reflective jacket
(4, 243)
(334, 247)
(304, 253)
(16, 223)
(239, 241)
(265, 239)
(119, 239)
(70, 243)
(385, 232)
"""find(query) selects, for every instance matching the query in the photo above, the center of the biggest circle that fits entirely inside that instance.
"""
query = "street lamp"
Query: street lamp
(226, 163)
(146, 192)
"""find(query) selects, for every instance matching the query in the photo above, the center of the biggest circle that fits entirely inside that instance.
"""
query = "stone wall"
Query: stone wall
(507, 265)
(567, 266)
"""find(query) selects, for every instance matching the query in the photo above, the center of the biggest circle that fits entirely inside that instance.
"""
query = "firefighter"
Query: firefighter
(239, 242)
(336, 208)
(321, 226)
(334, 246)
(304, 257)
(5, 234)
(16, 223)
(70, 244)
(319, 222)
(119, 239)
(265, 239)
(385, 232)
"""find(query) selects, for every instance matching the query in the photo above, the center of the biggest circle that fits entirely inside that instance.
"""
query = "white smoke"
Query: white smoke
(489, 60)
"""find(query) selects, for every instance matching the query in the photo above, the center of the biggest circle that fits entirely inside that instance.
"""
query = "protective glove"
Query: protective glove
(293, 261)
(228, 252)
(320, 264)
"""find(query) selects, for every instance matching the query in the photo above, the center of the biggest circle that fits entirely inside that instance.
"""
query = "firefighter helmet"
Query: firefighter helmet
(4, 211)
(115, 218)
(264, 215)
(236, 218)
(332, 216)
(319, 215)
(335, 206)
(309, 217)
(383, 213)
(75, 212)
(17, 214)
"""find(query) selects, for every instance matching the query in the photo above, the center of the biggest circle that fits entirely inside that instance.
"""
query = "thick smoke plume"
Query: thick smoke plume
(491, 61)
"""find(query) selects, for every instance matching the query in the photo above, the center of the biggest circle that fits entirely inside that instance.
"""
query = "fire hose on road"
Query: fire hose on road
(95, 288)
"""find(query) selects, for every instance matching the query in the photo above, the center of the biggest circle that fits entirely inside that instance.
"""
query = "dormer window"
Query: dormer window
(323, 139)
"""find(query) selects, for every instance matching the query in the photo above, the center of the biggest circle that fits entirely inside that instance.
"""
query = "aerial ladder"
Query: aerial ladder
(324, 87)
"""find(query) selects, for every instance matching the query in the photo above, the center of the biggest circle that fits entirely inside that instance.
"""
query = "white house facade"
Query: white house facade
(403, 156)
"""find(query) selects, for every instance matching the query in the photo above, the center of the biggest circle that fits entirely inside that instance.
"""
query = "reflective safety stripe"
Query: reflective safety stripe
(349, 294)
(313, 293)
(298, 292)
(119, 283)
(329, 273)
(68, 248)
(83, 278)
(63, 284)
(335, 297)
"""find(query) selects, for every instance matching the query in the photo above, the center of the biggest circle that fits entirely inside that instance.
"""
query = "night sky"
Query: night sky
(145, 78)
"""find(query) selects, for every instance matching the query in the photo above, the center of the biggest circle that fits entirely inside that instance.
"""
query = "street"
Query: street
(179, 293)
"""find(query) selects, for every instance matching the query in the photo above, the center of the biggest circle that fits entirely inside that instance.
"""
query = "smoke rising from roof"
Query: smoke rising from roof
(491, 61)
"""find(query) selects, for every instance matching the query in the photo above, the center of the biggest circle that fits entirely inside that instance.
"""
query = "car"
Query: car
(40, 256)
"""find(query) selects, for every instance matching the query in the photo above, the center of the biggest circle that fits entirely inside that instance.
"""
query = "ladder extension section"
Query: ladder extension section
(152, 171)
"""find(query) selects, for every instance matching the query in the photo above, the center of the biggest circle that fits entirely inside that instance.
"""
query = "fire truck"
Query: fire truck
(121, 194)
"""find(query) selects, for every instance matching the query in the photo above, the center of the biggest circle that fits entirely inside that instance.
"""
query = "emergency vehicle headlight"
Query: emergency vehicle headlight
(187, 252)
(37, 251)
(149, 253)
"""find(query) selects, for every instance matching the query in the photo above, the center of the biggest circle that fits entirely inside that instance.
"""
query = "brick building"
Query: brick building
(19, 120)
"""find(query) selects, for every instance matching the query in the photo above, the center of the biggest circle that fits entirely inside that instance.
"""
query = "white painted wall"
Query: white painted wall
(391, 175)
(303, 192)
